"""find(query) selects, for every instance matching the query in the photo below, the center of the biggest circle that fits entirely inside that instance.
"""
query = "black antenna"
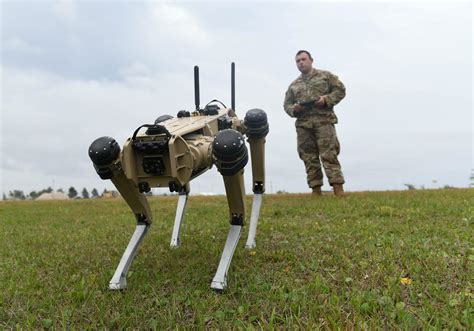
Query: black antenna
(196, 87)
(232, 85)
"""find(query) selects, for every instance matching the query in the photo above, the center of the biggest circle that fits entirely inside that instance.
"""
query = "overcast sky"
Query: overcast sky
(72, 71)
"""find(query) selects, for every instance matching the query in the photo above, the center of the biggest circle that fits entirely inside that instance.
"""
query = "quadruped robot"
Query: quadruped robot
(173, 151)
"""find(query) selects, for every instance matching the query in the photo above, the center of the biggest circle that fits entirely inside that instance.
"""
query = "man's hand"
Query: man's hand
(297, 108)
(321, 102)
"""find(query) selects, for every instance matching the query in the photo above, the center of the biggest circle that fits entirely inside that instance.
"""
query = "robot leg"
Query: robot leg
(256, 129)
(235, 197)
(108, 162)
(139, 205)
(230, 154)
(182, 200)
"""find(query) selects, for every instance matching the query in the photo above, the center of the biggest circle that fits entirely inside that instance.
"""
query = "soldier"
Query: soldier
(311, 98)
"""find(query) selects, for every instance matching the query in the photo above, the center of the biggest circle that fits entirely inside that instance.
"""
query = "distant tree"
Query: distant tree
(104, 191)
(94, 193)
(60, 190)
(72, 193)
(4, 197)
(448, 186)
(410, 186)
(85, 193)
(34, 195)
(17, 195)
(472, 178)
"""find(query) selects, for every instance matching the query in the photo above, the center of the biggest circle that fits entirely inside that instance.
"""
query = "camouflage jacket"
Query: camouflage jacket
(309, 87)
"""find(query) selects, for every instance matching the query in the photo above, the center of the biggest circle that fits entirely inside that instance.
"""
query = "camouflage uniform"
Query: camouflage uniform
(316, 134)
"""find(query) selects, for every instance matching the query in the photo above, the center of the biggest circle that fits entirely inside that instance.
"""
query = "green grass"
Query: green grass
(319, 263)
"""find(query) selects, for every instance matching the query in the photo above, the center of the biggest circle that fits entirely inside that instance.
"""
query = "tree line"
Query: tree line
(71, 193)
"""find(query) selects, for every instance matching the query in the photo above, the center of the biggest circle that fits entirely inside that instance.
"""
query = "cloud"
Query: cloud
(66, 10)
(18, 45)
(136, 69)
(174, 24)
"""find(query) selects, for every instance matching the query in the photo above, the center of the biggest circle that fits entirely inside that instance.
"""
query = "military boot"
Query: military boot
(338, 190)
(317, 190)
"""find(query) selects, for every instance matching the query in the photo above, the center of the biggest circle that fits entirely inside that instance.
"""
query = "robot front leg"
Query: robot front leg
(108, 162)
(230, 155)
(182, 200)
(235, 197)
(139, 205)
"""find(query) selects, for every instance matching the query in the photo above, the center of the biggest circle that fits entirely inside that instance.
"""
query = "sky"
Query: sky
(73, 71)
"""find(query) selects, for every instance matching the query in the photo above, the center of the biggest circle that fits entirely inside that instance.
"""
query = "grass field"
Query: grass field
(371, 260)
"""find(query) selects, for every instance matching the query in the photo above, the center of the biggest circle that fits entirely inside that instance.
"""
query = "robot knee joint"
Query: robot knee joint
(230, 152)
(256, 124)
(103, 151)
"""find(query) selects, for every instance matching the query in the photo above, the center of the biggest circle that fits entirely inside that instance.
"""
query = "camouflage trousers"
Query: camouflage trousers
(318, 143)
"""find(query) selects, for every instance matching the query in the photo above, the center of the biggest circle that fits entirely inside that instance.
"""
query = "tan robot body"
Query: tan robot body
(172, 152)
(188, 153)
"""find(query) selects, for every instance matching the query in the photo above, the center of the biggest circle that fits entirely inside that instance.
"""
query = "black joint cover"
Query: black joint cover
(237, 219)
(211, 110)
(230, 152)
(184, 190)
(183, 113)
(163, 118)
(144, 187)
(105, 173)
(174, 187)
(258, 187)
(141, 218)
(256, 124)
(103, 151)
(224, 123)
